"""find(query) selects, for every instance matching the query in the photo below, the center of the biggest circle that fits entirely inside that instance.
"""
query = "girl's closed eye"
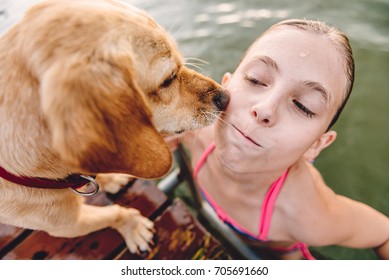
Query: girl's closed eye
(303, 109)
(253, 81)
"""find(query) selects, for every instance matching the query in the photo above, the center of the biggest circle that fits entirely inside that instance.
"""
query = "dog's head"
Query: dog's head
(111, 81)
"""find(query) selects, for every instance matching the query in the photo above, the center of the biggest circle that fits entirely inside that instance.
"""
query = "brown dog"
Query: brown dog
(86, 87)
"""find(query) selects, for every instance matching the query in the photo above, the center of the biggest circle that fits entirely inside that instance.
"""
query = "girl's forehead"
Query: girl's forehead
(290, 40)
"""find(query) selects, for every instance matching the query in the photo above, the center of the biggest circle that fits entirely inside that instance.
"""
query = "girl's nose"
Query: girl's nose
(264, 112)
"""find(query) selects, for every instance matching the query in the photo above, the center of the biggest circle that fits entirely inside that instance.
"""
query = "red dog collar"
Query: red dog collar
(73, 181)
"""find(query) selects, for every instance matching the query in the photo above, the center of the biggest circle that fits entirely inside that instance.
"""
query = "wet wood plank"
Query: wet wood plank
(180, 236)
(10, 236)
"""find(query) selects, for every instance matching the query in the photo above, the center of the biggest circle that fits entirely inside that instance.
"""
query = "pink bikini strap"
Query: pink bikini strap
(302, 247)
(203, 159)
(268, 204)
(219, 211)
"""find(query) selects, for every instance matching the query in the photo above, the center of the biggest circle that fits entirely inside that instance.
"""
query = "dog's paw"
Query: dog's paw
(136, 230)
(113, 182)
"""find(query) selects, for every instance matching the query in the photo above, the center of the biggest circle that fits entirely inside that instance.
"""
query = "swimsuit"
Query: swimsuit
(266, 212)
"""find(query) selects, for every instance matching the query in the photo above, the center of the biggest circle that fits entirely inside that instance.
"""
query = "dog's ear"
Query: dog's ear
(99, 120)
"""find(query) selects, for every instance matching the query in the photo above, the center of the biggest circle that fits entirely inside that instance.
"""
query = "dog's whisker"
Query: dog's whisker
(175, 33)
(218, 117)
(205, 115)
(217, 124)
(170, 30)
(196, 137)
(198, 60)
(194, 65)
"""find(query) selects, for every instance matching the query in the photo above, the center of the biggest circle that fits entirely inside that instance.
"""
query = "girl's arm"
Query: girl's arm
(353, 224)
(383, 250)
(363, 225)
(339, 220)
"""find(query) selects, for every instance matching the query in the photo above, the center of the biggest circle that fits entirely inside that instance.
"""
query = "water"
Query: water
(357, 164)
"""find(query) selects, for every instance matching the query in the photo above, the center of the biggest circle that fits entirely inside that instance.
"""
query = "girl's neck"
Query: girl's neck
(247, 182)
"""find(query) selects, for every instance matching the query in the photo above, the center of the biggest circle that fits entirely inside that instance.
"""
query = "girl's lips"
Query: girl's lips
(247, 137)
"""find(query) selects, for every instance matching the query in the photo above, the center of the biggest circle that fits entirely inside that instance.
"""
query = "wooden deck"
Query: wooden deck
(178, 234)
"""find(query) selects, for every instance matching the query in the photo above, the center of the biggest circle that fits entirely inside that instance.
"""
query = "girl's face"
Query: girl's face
(284, 94)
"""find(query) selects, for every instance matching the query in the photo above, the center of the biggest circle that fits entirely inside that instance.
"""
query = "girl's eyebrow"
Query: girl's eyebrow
(319, 88)
(268, 61)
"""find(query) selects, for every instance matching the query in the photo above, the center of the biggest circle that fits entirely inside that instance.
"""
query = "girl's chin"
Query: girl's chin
(233, 160)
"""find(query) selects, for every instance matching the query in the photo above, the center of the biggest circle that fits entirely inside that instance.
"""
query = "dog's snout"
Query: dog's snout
(221, 100)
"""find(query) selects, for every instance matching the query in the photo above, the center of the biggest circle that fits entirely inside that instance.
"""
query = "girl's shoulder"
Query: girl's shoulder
(306, 200)
(303, 175)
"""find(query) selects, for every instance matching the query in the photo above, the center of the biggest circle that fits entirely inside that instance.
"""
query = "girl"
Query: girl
(254, 165)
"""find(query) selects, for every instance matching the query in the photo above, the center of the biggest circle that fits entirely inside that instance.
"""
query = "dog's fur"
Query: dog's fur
(87, 86)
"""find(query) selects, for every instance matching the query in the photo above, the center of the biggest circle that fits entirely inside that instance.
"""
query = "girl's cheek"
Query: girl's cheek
(233, 105)
(238, 99)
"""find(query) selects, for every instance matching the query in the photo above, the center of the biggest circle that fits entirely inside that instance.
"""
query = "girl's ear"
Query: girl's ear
(320, 144)
(226, 78)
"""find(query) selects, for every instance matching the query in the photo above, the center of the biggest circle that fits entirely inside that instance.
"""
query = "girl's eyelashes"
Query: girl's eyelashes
(253, 81)
(304, 109)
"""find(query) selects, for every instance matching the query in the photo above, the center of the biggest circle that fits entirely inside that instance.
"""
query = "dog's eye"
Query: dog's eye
(169, 80)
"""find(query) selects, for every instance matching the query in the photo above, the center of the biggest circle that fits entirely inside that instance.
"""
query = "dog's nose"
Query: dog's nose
(221, 100)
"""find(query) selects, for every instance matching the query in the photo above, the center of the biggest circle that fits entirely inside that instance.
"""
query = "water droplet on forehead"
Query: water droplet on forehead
(304, 53)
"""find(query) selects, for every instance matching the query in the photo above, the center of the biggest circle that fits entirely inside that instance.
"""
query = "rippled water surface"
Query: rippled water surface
(219, 32)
